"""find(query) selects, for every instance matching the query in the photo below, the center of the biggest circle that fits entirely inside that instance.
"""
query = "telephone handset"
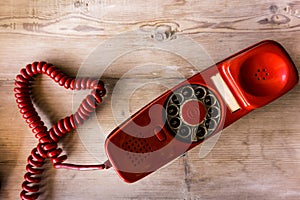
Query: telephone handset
(199, 107)
(170, 125)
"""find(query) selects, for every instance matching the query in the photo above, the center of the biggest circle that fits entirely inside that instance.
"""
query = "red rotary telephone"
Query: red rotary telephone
(199, 107)
(170, 125)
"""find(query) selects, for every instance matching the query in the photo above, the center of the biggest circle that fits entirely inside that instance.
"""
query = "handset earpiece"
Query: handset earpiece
(261, 75)
(261, 72)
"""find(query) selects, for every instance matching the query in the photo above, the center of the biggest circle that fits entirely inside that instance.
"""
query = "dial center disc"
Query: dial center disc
(193, 112)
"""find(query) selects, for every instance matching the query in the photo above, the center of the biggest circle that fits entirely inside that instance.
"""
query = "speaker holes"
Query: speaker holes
(137, 150)
(261, 74)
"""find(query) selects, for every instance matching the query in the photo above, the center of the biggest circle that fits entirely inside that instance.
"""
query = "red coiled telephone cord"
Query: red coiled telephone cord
(47, 139)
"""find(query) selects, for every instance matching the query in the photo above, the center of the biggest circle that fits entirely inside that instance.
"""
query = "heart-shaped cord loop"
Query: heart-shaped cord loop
(47, 139)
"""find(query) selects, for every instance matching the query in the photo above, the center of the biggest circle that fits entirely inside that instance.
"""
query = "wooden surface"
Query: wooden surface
(256, 158)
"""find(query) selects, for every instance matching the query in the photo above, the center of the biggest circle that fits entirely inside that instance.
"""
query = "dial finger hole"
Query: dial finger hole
(213, 112)
(210, 124)
(184, 131)
(187, 92)
(200, 92)
(177, 98)
(175, 122)
(172, 110)
(201, 132)
(210, 100)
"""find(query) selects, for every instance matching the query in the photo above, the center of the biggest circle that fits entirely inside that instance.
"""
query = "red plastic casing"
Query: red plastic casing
(255, 76)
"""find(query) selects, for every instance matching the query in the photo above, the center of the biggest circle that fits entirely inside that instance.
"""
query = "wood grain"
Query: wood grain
(256, 158)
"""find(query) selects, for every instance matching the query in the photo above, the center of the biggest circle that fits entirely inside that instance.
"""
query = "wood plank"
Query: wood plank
(256, 158)
(94, 18)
